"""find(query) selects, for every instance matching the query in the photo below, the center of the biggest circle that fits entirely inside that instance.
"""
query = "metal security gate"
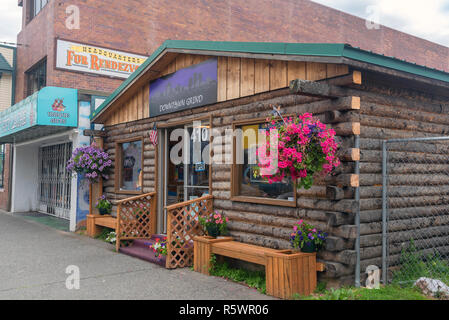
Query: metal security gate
(54, 180)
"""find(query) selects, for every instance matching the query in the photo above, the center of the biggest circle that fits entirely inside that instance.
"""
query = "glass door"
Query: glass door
(185, 170)
(196, 161)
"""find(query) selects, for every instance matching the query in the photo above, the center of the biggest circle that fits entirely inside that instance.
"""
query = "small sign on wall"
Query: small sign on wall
(184, 89)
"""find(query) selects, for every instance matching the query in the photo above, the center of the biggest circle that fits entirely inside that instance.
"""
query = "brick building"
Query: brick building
(137, 27)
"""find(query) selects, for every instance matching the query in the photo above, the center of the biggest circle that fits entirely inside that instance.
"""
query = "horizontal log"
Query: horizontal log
(250, 207)
(341, 116)
(347, 257)
(268, 242)
(339, 193)
(400, 191)
(261, 219)
(346, 128)
(149, 154)
(346, 205)
(386, 133)
(348, 180)
(405, 179)
(394, 259)
(262, 230)
(398, 246)
(221, 185)
(372, 240)
(406, 101)
(404, 225)
(404, 213)
(334, 244)
(404, 168)
(316, 89)
(410, 125)
(220, 175)
(402, 157)
(353, 78)
(316, 108)
(336, 270)
(404, 202)
(351, 154)
(408, 113)
(345, 142)
(222, 195)
(314, 192)
(149, 162)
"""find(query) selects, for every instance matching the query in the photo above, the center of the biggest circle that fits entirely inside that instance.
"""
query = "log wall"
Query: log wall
(260, 224)
(371, 110)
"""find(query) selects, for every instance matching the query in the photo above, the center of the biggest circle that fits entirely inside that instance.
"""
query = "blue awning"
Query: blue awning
(45, 112)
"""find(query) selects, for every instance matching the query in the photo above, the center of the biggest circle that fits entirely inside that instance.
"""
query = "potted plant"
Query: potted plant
(306, 237)
(159, 247)
(298, 147)
(103, 205)
(91, 162)
(215, 224)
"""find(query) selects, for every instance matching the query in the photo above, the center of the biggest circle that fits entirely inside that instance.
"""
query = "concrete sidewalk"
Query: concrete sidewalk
(34, 258)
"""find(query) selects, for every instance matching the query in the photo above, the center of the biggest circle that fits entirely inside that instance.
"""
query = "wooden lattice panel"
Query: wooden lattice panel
(182, 225)
(136, 218)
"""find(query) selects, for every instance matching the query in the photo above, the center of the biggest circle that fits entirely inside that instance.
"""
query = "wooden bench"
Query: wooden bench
(287, 271)
(95, 222)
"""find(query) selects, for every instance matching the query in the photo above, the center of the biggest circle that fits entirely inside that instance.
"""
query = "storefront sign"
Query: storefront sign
(187, 88)
(57, 107)
(19, 117)
(50, 106)
(85, 58)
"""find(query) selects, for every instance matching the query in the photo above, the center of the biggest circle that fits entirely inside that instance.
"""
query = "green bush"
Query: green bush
(253, 279)
(414, 265)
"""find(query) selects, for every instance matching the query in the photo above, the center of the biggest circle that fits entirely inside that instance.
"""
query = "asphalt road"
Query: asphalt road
(34, 258)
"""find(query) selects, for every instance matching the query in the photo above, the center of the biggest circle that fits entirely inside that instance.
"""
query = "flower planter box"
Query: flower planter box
(287, 272)
(95, 222)
(291, 272)
(202, 252)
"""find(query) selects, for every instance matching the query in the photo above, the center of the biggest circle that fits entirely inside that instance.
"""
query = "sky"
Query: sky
(428, 19)
(10, 20)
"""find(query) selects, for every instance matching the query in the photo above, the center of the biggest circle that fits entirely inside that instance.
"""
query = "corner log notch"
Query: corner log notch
(340, 189)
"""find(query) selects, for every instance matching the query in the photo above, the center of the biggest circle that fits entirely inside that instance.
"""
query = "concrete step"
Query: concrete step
(141, 249)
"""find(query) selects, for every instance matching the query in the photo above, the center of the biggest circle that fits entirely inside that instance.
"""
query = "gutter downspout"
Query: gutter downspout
(357, 218)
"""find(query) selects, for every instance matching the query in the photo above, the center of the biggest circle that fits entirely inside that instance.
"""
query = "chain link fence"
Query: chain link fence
(415, 212)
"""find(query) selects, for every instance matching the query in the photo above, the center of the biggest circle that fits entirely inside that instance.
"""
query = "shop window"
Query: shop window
(129, 160)
(2, 165)
(35, 6)
(36, 77)
(247, 185)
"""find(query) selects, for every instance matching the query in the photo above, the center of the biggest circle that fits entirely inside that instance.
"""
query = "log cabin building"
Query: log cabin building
(206, 88)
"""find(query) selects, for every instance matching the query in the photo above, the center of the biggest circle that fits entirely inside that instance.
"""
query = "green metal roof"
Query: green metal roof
(4, 65)
(336, 50)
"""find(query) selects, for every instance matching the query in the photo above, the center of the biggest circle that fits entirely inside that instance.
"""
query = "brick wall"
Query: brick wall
(141, 26)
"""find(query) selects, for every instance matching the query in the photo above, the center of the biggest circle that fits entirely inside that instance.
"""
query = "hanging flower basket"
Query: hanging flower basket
(91, 162)
(297, 147)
